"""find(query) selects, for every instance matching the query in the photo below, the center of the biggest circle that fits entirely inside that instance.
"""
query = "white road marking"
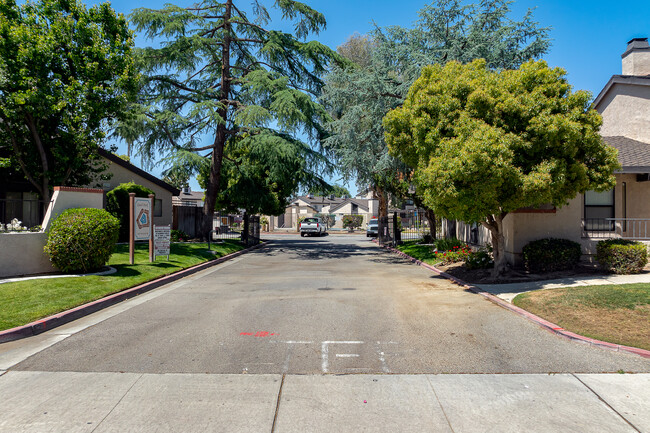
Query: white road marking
(347, 355)
(325, 352)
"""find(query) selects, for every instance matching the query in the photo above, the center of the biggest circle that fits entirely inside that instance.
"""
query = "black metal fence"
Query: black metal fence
(248, 230)
(413, 225)
(28, 212)
(398, 227)
(227, 226)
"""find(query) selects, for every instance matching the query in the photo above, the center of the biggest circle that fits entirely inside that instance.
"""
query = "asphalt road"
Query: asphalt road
(336, 304)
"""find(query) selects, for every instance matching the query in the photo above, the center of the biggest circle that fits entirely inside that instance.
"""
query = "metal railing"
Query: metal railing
(626, 228)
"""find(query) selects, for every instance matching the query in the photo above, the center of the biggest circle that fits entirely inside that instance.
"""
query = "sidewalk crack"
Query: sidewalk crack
(117, 404)
(277, 405)
(607, 404)
(440, 404)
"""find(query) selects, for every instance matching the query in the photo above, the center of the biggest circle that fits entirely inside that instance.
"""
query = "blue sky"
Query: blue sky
(588, 36)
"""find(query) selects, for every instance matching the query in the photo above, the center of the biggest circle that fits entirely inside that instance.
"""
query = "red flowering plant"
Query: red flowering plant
(454, 255)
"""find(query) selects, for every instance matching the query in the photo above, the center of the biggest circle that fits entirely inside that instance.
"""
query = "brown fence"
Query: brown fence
(188, 220)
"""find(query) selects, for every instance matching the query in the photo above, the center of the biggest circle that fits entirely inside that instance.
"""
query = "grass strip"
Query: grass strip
(424, 253)
(617, 314)
(23, 302)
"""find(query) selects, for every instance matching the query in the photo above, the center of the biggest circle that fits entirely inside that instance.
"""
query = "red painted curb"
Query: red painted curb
(59, 319)
(551, 327)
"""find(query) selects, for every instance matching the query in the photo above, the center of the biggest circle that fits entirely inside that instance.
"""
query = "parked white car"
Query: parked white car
(312, 226)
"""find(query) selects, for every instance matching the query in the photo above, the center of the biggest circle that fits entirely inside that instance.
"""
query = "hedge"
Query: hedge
(548, 255)
(622, 256)
(117, 203)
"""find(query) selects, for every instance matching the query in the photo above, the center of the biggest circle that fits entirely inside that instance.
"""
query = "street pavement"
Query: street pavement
(316, 334)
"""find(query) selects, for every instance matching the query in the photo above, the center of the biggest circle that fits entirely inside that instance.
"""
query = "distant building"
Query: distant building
(337, 207)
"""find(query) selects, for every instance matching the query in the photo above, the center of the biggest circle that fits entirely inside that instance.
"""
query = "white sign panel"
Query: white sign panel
(161, 238)
(142, 216)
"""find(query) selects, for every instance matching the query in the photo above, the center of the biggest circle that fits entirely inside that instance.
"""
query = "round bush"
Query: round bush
(117, 203)
(82, 240)
(548, 255)
(622, 256)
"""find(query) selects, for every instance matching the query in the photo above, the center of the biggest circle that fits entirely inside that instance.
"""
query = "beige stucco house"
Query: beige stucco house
(624, 211)
(123, 172)
(309, 205)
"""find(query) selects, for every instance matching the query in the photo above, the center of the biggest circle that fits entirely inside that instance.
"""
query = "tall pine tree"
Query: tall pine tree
(220, 77)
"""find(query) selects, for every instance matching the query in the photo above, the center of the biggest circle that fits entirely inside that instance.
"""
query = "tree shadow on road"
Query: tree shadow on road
(313, 249)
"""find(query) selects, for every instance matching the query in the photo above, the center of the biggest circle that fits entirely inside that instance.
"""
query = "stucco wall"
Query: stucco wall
(625, 112)
(122, 175)
(70, 198)
(22, 254)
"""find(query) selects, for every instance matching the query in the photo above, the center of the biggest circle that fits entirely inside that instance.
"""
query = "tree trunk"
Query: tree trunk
(380, 195)
(494, 223)
(431, 217)
(220, 139)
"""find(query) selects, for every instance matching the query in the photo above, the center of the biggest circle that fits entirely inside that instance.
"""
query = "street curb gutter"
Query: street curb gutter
(551, 327)
(64, 317)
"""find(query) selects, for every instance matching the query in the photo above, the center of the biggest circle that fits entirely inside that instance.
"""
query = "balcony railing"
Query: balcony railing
(626, 228)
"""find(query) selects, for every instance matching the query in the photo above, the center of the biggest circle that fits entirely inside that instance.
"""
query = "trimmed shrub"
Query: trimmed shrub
(117, 203)
(82, 240)
(548, 255)
(448, 244)
(622, 256)
(352, 221)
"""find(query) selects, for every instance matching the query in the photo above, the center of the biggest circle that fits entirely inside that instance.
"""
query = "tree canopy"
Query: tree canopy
(360, 97)
(219, 77)
(66, 73)
(337, 190)
(484, 143)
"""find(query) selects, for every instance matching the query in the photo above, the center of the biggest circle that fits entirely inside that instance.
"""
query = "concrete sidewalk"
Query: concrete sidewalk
(508, 292)
(121, 402)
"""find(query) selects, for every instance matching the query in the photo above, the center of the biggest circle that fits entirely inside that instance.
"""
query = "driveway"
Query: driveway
(336, 304)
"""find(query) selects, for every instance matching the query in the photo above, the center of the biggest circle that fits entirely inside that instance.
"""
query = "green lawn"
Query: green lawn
(423, 253)
(25, 301)
(614, 313)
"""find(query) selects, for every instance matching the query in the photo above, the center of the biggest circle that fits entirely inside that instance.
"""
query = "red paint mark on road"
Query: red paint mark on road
(258, 334)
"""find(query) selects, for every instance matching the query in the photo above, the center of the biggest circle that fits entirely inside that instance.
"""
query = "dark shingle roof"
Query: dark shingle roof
(633, 155)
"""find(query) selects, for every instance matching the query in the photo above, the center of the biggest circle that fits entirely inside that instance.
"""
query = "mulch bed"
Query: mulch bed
(482, 276)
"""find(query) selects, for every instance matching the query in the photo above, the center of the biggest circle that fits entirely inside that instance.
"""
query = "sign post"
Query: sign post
(131, 218)
(151, 256)
(141, 223)
(161, 237)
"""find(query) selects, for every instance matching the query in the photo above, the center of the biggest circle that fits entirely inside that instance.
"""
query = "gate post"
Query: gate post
(244, 233)
(397, 235)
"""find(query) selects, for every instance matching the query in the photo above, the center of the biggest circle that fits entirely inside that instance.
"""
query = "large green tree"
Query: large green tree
(220, 75)
(388, 62)
(486, 143)
(260, 176)
(66, 73)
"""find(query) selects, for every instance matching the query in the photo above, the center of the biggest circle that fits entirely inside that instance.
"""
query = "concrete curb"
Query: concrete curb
(551, 327)
(59, 319)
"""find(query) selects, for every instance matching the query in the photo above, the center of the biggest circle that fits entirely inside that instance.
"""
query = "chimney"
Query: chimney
(636, 59)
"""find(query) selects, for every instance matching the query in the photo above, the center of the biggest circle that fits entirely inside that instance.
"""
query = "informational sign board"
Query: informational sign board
(142, 219)
(161, 240)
